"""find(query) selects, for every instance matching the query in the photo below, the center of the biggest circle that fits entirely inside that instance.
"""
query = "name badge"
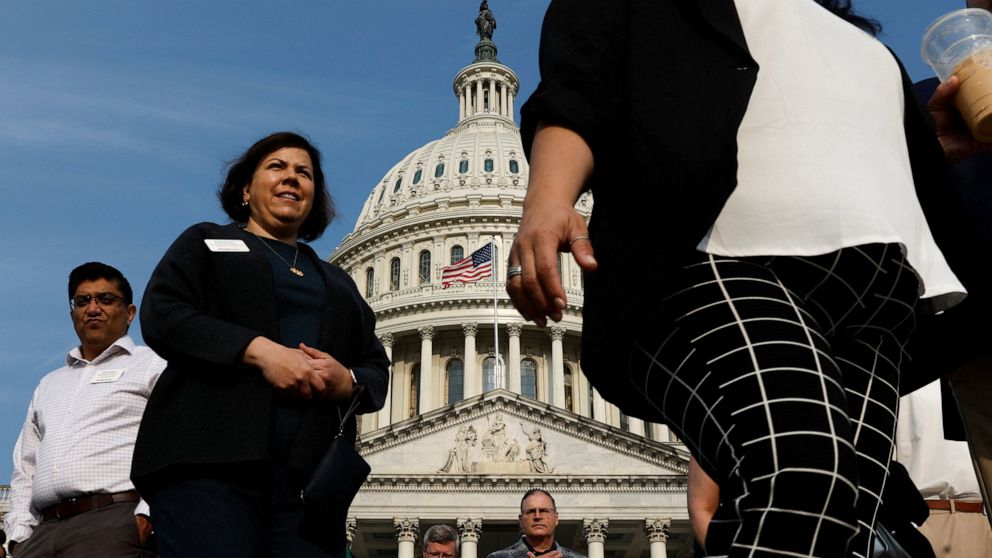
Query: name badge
(107, 376)
(225, 245)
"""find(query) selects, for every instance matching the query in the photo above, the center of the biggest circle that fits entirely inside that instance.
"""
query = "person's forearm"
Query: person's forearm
(560, 164)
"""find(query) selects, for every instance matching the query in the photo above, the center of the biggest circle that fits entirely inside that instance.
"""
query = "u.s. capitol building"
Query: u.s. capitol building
(474, 420)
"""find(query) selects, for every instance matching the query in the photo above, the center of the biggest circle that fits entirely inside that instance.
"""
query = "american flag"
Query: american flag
(478, 265)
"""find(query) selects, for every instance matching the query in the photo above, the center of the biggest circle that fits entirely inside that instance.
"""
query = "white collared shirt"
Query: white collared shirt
(78, 436)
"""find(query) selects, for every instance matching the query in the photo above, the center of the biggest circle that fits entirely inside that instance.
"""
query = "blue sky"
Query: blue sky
(116, 118)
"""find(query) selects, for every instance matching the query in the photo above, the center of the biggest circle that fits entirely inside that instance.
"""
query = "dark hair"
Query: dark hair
(92, 271)
(534, 491)
(241, 170)
(441, 533)
(844, 10)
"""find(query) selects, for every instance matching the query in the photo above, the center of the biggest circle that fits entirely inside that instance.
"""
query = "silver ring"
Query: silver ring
(576, 239)
(514, 270)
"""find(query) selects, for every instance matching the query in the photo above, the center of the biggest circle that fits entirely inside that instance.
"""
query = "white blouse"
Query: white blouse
(822, 156)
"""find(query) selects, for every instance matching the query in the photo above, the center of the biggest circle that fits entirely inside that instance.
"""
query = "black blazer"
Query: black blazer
(658, 91)
(200, 311)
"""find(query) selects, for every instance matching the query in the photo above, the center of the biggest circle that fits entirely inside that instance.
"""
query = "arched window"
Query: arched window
(624, 422)
(488, 165)
(369, 281)
(414, 396)
(381, 193)
(514, 166)
(490, 379)
(399, 182)
(463, 166)
(456, 381)
(528, 378)
(457, 253)
(568, 390)
(417, 176)
(439, 170)
(394, 274)
(425, 267)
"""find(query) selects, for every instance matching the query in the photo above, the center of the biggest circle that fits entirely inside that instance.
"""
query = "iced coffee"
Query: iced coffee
(974, 95)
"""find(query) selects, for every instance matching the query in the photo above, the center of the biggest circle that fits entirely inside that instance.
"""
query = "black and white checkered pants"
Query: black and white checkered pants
(781, 374)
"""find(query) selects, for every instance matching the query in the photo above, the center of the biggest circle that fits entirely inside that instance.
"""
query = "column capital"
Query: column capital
(387, 339)
(469, 528)
(595, 530)
(407, 529)
(470, 329)
(426, 332)
(657, 528)
(514, 330)
(556, 333)
(350, 527)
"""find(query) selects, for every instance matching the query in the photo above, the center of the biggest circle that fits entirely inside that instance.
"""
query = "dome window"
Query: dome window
(399, 182)
(425, 267)
(488, 165)
(463, 166)
(514, 166)
(417, 176)
(369, 281)
(456, 381)
(381, 193)
(457, 253)
(394, 274)
(528, 378)
(439, 170)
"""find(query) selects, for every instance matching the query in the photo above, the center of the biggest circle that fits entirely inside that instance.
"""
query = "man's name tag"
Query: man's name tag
(226, 245)
(107, 376)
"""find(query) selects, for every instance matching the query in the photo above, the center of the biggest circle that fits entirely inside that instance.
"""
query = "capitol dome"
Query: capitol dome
(483, 405)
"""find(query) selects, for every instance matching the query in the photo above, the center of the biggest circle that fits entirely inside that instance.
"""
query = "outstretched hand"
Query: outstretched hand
(547, 228)
(953, 133)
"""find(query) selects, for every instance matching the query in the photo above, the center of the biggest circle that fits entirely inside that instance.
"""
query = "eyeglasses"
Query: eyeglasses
(438, 554)
(540, 511)
(105, 300)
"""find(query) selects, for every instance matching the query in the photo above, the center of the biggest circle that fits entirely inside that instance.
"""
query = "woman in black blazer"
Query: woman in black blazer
(266, 345)
(779, 369)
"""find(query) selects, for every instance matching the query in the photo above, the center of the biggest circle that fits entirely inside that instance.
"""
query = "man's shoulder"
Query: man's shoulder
(516, 550)
(569, 553)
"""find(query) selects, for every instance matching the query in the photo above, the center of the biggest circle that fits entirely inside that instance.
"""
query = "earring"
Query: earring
(244, 203)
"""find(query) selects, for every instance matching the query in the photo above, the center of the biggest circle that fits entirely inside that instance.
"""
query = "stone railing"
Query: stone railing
(435, 293)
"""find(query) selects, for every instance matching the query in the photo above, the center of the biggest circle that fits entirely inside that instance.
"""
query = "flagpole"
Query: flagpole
(499, 371)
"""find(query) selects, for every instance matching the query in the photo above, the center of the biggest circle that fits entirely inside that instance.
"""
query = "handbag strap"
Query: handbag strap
(352, 407)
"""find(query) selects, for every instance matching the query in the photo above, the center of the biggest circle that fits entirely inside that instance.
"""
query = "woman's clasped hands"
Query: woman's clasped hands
(303, 372)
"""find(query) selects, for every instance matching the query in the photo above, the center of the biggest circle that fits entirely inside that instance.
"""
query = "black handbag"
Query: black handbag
(331, 489)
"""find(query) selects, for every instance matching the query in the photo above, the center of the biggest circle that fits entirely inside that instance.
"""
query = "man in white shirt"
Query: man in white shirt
(70, 492)
(944, 473)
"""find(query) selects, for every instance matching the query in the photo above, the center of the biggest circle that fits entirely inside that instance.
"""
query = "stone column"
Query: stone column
(595, 531)
(557, 367)
(469, 100)
(598, 406)
(657, 529)
(407, 531)
(461, 104)
(502, 98)
(472, 382)
(385, 414)
(426, 374)
(509, 104)
(350, 526)
(479, 103)
(493, 104)
(469, 530)
(513, 331)
(661, 432)
(636, 426)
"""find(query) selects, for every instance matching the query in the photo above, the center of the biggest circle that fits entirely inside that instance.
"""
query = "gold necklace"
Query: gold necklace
(292, 266)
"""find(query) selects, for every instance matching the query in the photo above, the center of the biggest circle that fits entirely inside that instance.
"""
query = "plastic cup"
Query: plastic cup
(960, 44)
